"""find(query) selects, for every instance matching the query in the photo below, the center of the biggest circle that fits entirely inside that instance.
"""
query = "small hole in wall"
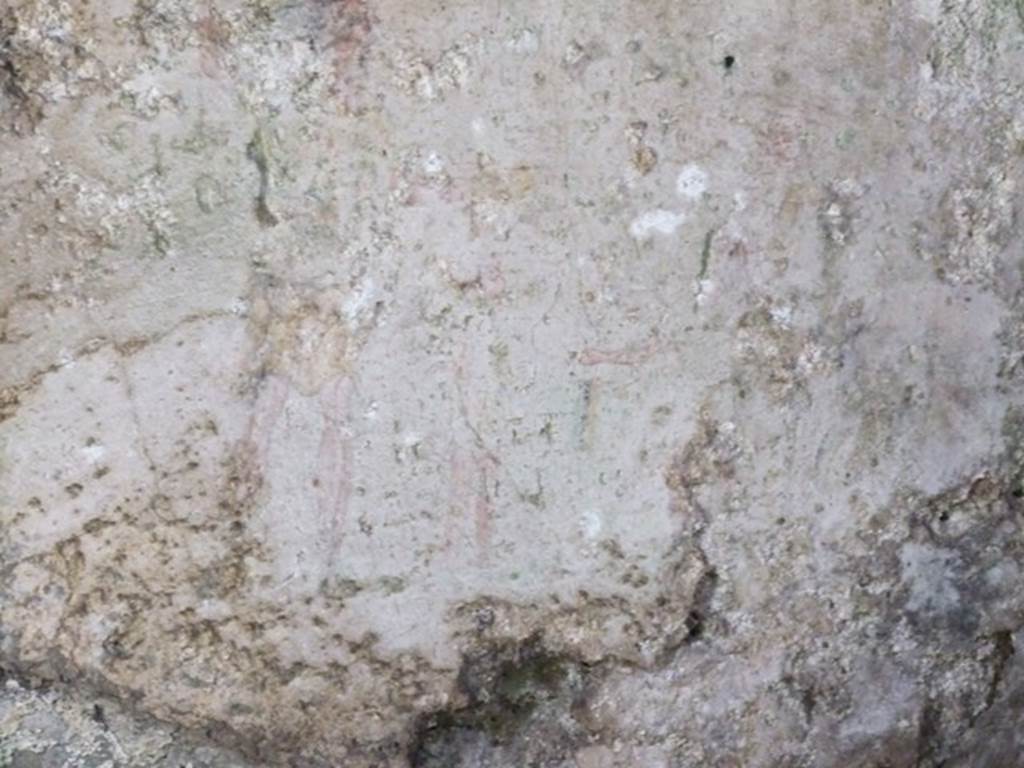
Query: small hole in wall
(728, 62)
(694, 625)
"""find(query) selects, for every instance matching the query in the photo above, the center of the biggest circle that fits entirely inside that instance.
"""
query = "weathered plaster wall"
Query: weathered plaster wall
(582, 384)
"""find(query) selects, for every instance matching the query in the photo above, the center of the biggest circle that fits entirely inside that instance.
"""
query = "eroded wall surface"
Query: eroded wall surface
(578, 384)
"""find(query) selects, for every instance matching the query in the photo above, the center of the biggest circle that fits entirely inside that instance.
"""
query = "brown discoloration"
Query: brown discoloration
(626, 356)
(473, 466)
(349, 26)
(143, 627)
(782, 357)
(302, 334)
(483, 505)
(215, 35)
(643, 157)
(334, 464)
(9, 401)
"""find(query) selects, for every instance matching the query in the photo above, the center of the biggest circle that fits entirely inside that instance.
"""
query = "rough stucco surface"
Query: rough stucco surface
(579, 384)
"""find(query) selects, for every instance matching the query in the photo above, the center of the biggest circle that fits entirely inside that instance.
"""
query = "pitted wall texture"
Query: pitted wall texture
(576, 384)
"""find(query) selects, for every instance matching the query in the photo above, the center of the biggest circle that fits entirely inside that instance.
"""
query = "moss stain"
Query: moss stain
(705, 255)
